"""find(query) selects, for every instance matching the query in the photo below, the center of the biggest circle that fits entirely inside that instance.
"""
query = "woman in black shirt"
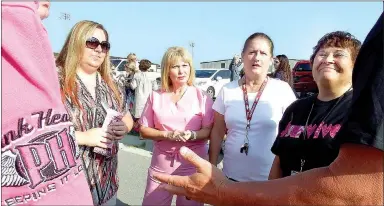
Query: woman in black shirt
(308, 126)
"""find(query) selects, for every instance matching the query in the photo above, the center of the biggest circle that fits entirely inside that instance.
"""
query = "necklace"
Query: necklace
(175, 96)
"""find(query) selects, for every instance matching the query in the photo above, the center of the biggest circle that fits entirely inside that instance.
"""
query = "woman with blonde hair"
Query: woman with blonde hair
(125, 83)
(178, 115)
(125, 80)
(132, 63)
(88, 91)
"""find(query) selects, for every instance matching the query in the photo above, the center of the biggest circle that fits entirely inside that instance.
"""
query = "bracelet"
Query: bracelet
(193, 136)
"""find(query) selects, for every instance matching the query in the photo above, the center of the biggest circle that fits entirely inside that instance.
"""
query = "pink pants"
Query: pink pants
(169, 163)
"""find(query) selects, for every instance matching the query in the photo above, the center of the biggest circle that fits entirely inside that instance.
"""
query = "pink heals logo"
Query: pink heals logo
(310, 129)
(321, 131)
(46, 157)
(293, 131)
(286, 131)
(296, 131)
(334, 130)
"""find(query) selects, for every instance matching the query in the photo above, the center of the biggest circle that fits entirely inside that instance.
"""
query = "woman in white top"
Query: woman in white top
(247, 154)
(143, 86)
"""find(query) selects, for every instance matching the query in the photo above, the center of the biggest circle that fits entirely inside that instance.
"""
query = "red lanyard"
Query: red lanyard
(248, 112)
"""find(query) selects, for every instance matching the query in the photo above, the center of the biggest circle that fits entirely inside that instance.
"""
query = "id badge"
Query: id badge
(293, 172)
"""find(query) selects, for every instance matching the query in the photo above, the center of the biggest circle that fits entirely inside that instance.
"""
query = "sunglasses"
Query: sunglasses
(93, 43)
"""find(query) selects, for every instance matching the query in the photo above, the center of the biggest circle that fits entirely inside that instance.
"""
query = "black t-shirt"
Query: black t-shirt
(365, 118)
(318, 148)
(365, 123)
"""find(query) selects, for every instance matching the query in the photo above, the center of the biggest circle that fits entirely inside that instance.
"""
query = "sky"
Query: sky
(218, 29)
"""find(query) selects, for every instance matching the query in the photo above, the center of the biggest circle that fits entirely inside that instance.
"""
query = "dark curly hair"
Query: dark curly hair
(144, 65)
(339, 39)
(285, 69)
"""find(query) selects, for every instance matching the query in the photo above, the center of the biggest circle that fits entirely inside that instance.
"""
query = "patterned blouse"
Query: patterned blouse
(101, 171)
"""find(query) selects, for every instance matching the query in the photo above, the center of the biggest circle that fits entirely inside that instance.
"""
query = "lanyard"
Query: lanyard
(249, 112)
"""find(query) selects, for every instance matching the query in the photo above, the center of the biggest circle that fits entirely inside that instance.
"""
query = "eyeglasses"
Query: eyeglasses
(93, 43)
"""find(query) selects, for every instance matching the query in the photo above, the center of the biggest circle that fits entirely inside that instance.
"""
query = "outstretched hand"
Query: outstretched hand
(203, 186)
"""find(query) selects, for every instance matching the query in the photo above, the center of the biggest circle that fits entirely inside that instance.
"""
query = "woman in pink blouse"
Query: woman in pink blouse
(177, 115)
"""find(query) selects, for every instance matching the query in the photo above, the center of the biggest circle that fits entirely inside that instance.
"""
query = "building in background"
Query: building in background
(224, 64)
(218, 64)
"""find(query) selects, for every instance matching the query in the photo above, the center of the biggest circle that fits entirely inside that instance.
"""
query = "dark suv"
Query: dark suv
(303, 82)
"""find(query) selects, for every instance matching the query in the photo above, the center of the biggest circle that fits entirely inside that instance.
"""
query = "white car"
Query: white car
(118, 67)
(211, 80)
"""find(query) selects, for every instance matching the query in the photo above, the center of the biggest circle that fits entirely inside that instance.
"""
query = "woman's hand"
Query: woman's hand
(95, 137)
(117, 130)
(170, 135)
(179, 136)
(185, 136)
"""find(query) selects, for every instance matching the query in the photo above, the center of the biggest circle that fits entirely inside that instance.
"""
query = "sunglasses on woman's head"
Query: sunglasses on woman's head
(93, 43)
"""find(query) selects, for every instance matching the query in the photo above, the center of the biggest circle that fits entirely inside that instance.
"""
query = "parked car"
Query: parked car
(212, 80)
(303, 82)
(118, 66)
(118, 71)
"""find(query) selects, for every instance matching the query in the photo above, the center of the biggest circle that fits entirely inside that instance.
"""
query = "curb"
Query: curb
(134, 150)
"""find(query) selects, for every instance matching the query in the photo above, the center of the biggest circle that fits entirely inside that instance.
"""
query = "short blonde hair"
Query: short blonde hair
(171, 56)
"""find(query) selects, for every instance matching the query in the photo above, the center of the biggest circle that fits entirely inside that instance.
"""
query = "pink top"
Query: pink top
(40, 160)
(192, 112)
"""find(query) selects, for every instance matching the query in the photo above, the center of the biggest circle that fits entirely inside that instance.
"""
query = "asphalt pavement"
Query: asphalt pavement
(133, 166)
(134, 160)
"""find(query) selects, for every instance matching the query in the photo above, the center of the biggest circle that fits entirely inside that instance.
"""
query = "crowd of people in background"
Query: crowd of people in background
(69, 151)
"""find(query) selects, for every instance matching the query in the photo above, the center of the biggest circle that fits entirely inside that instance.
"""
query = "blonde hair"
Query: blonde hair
(70, 56)
(171, 56)
(131, 67)
(131, 58)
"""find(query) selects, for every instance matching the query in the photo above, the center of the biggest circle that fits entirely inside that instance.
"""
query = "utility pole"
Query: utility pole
(65, 16)
(192, 44)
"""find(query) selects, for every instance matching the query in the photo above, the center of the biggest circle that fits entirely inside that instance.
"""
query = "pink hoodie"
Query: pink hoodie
(40, 160)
